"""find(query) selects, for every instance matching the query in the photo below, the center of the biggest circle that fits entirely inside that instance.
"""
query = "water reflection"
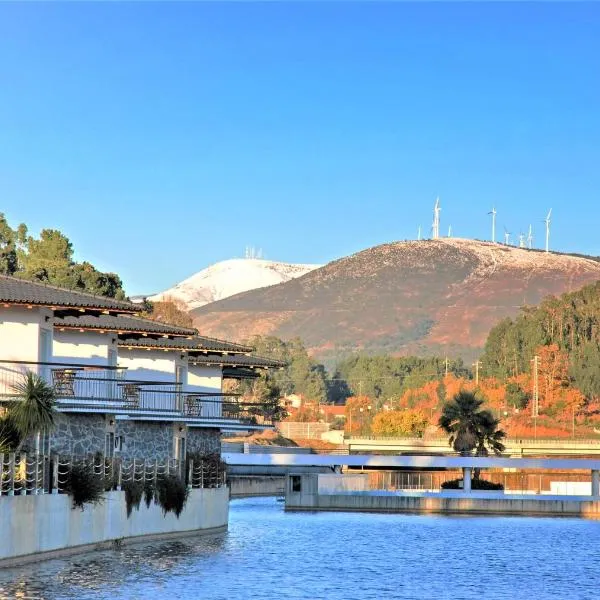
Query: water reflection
(268, 553)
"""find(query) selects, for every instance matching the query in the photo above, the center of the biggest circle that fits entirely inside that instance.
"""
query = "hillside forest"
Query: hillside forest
(387, 395)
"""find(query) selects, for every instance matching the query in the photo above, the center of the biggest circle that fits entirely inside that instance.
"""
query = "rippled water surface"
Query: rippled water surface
(335, 556)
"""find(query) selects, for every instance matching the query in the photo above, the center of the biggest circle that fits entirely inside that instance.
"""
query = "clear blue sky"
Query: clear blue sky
(162, 137)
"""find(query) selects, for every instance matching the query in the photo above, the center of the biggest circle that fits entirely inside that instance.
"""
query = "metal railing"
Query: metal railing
(80, 386)
(23, 474)
(444, 440)
(540, 482)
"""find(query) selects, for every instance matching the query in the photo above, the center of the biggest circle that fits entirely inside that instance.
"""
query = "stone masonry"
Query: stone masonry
(80, 434)
(205, 441)
(146, 439)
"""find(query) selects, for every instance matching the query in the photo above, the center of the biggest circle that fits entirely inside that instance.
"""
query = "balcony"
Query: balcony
(87, 388)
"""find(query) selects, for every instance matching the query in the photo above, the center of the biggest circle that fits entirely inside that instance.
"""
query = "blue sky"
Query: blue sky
(162, 137)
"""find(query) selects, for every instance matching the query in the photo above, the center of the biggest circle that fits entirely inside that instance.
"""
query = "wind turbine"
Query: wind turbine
(522, 240)
(449, 230)
(419, 233)
(493, 213)
(530, 238)
(547, 221)
(436, 219)
(506, 237)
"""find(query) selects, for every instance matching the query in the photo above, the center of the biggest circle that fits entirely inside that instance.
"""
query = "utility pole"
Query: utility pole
(536, 393)
(476, 365)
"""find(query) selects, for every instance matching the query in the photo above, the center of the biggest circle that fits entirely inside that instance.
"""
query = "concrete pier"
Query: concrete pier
(302, 493)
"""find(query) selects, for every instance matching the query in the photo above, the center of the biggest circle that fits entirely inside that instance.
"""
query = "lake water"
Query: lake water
(269, 554)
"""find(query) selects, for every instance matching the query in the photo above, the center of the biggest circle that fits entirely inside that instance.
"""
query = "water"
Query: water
(335, 556)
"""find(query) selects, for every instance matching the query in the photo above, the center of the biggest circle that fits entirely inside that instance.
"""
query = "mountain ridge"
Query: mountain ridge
(423, 297)
(230, 277)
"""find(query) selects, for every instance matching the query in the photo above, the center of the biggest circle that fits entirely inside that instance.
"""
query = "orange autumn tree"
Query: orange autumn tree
(359, 412)
(400, 423)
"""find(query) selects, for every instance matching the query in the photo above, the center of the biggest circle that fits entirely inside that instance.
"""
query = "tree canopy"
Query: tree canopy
(570, 324)
(49, 259)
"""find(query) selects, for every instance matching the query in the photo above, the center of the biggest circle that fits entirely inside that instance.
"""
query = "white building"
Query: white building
(125, 385)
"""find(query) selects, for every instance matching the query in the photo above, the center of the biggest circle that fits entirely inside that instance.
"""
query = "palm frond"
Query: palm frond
(35, 410)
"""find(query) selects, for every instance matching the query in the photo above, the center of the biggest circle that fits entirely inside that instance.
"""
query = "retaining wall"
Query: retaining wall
(36, 527)
(243, 487)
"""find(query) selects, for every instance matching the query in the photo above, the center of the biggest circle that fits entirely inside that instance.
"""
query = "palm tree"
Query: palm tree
(470, 428)
(35, 410)
(460, 419)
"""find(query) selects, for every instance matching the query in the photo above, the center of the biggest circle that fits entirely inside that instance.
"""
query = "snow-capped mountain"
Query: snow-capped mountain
(231, 277)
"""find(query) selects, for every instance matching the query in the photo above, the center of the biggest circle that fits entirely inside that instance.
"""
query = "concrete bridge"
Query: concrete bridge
(439, 446)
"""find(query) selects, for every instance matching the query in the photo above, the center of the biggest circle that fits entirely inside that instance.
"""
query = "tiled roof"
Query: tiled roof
(21, 291)
(238, 361)
(198, 343)
(121, 323)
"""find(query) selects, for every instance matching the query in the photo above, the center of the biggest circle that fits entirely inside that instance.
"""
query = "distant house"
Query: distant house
(292, 401)
(125, 385)
(330, 412)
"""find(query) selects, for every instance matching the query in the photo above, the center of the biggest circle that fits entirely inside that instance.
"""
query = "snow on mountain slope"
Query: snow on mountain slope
(231, 277)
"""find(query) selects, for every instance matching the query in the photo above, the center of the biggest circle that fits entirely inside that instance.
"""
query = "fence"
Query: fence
(22, 474)
(309, 431)
(543, 482)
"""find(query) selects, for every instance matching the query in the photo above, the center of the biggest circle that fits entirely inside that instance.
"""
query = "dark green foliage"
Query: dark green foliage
(516, 396)
(148, 492)
(469, 427)
(133, 495)
(35, 411)
(302, 375)
(212, 464)
(171, 494)
(83, 485)
(10, 438)
(476, 484)
(49, 259)
(571, 321)
(388, 376)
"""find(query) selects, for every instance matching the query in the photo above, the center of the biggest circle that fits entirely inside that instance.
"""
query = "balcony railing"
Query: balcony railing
(80, 386)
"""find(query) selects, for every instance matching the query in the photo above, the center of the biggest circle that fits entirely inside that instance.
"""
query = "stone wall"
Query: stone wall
(78, 434)
(205, 441)
(146, 439)
(84, 434)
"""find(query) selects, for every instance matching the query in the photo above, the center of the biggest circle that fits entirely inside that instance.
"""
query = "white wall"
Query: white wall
(35, 524)
(150, 365)
(20, 329)
(20, 332)
(205, 379)
(86, 347)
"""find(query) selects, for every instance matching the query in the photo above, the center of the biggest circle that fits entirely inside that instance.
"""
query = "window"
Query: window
(112, 357)
(296, 483)
(179, 448)
(109, 445)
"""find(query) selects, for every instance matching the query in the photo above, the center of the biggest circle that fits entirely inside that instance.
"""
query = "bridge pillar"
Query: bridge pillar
(595, 483)
(467, 480)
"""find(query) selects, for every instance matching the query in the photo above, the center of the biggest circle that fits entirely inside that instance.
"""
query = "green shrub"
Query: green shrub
(213, 466)
(476, 484)
(149, 492)
(171, 493)
(133, 495)
(83, 485)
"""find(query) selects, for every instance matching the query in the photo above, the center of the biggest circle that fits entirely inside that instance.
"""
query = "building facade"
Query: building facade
(126, 386)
